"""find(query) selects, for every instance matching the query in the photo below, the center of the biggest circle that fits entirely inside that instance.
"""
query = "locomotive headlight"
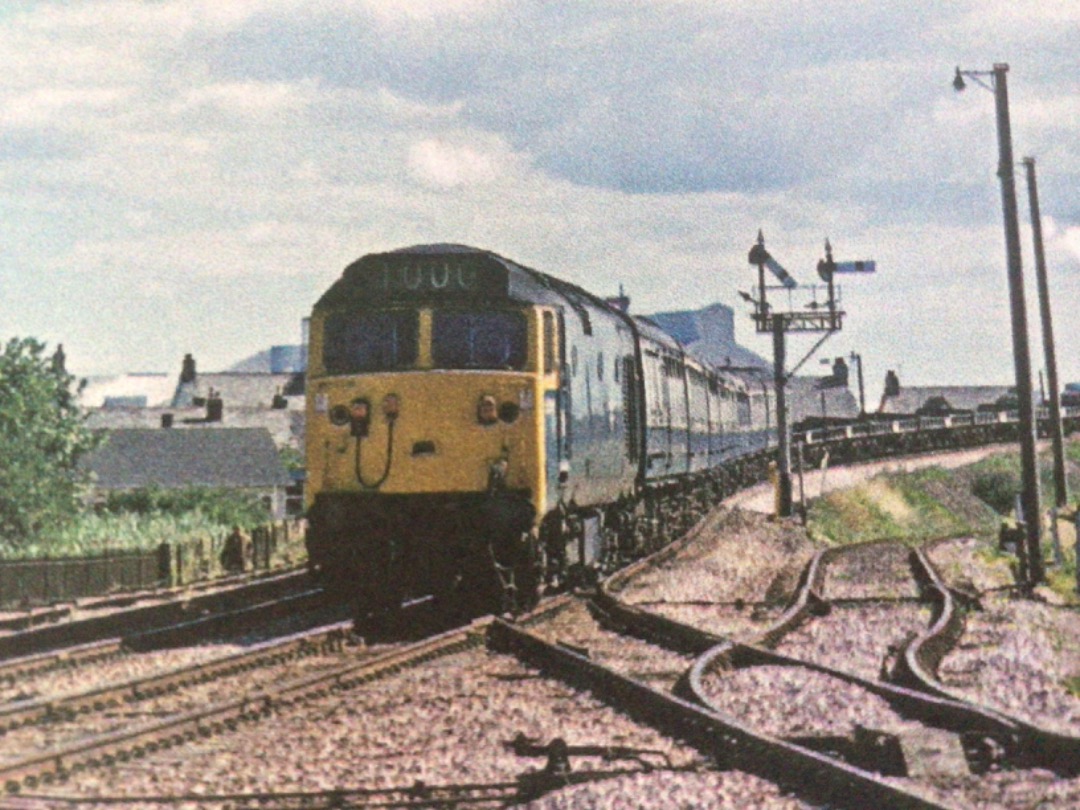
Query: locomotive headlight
(487, 410)
(391, 406)
(340, 415)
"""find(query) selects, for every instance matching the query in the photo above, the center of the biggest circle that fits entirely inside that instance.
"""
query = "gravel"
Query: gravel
(870, 571)
(625, 654)
(856, 638)
(738, 555)
(1015, 655)
(25, 741)
(442, 723)
(706, 791)
(743, 622)
(793, 701)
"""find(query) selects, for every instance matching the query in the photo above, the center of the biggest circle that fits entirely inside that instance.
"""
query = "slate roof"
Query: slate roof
(960, 397)
(239, 389)
(286, 426)
(235, 458)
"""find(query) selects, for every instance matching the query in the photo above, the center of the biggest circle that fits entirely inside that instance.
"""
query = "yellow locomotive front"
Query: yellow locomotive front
(424, 434)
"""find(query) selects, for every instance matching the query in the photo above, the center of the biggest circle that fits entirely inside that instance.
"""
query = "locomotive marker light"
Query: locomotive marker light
(360, 417)
(1030, 556)
(391, 406)
(487, 410)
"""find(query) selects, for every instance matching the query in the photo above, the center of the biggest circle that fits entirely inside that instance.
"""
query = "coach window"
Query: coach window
(488, 339)
(355, 342)
(549, 342)
(600, 366)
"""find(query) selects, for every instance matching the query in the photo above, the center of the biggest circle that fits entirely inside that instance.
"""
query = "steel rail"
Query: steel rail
(82, 631)
(107, 749)
(920, 658)
(800, 770)
(268, 653)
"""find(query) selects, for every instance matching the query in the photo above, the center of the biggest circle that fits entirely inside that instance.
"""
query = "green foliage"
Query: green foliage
(912, 507)
(291, 458)
(143, 519)
(1073, 685)
(998, 489)
(219, 506)
(42, 438)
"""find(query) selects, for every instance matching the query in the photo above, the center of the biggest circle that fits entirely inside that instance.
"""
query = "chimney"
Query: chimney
(620, 302)
(187, 370)
(214, 406)
(892, 384)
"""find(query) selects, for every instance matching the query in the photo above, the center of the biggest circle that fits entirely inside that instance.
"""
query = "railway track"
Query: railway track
(121, 617)
(823, 767)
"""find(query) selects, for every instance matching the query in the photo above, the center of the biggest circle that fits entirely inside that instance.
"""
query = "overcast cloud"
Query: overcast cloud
(189, 176)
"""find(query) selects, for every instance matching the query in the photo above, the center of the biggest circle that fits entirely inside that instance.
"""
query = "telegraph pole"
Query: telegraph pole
(1057, 438)
(1029, 496)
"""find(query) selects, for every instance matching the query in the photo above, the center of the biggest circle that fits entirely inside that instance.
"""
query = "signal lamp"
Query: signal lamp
(487, 411)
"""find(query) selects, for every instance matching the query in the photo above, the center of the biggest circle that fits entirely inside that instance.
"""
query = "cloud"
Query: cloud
(443, 165)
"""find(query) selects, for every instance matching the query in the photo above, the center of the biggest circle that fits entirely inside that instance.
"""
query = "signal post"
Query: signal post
(825, 317)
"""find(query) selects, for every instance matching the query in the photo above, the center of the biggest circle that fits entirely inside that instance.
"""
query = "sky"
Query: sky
(189, 176)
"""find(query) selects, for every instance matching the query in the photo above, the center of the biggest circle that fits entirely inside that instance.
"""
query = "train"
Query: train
(478, 431)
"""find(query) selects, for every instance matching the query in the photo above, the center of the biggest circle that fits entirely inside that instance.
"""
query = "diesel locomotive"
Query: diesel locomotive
(477, 430)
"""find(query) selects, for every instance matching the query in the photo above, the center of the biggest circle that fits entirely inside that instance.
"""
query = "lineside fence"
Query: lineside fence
(27, 583)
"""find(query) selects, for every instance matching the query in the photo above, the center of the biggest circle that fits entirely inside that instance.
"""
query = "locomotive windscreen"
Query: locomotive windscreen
(489, 339)
(401, 276)
(360, 341)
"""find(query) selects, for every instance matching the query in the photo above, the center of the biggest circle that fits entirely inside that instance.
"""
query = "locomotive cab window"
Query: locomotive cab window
(356, 342)
(488, 339)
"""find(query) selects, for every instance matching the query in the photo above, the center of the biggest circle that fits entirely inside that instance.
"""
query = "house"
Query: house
(911, 399)
(243, 459)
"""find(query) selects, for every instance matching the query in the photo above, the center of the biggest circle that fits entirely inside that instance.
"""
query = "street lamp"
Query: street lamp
(1029, 497)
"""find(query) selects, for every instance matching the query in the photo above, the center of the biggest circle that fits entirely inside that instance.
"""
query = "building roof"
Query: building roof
(158, 389)
(960, 397)
(286, 426)
(239, 389)
(225, 457)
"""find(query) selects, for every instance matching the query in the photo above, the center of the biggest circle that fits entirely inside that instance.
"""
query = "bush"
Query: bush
(997, 488)
(224, 507)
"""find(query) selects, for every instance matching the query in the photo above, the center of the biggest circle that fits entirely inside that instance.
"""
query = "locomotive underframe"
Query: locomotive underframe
(383, 549)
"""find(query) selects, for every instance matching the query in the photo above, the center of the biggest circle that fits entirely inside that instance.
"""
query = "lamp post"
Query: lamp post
(1029, 497)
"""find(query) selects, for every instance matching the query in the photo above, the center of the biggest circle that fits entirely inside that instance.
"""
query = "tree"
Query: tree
(42, 438)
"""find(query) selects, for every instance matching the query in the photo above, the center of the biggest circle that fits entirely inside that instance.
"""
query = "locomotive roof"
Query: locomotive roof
(409, 273)
(465, 273)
